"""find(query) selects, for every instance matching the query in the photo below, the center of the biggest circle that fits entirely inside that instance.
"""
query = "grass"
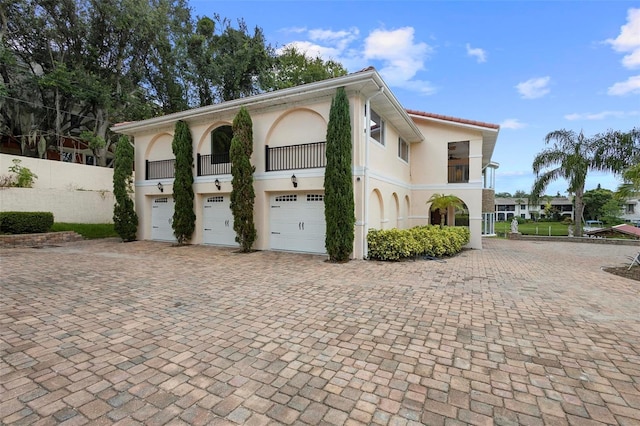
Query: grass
(534, 228)
(87, 230)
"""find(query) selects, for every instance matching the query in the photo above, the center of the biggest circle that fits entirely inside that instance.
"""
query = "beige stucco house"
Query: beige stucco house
(400, 158)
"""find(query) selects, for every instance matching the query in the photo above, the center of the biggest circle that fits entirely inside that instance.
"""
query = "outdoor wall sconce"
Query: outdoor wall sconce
(160, 187)
(217, 183)
(294, 181)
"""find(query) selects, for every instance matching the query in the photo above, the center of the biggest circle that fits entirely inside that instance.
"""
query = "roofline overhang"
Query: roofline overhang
(267, 99)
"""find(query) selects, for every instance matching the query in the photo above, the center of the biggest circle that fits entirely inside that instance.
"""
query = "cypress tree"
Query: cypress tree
(242, 195)
(125, 219)
(339, 206)
(184, 218)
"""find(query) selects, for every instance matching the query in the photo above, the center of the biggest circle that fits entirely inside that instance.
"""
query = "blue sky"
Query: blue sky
(531, 66)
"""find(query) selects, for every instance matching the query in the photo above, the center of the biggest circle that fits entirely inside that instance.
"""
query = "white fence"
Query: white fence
(72, 192)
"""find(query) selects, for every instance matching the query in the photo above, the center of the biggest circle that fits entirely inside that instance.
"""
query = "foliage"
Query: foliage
(69, 66)
(630, 185)
(429, 240)
(184, 218)
(293, 68)
(573, 155)
(25, 222)
(125, 219)
(24, 177)
(339, 208)
(503, 195)
(520, 194)
(87, 230)
(442, 203)
(243, 194)
(594, 200)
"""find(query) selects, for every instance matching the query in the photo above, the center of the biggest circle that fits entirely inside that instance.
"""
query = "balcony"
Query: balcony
(293, 157)
(213, 164)
(162, 169)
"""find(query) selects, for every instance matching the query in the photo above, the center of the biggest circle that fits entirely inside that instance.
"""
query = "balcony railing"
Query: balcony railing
(213, 164)
(459, 173)
(161, 169)
(302, 156)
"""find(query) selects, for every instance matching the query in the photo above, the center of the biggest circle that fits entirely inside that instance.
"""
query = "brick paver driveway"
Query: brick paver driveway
(101, 332)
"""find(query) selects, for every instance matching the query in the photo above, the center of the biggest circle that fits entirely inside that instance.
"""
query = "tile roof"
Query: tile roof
(453, 119)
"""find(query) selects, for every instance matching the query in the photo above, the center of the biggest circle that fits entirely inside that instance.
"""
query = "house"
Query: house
(507, 208)
(400, 158)
(631, 210)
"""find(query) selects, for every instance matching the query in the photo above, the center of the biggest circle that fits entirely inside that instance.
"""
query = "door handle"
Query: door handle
(303, 226)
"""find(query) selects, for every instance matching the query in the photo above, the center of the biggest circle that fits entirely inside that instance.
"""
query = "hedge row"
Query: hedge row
(25, 222)
(429, 240)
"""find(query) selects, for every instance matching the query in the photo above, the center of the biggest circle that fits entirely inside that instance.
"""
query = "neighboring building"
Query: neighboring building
(507, 208)
(400, 158)
(631, 211)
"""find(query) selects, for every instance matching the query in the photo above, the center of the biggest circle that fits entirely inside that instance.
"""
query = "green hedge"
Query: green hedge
(429, 240)
(25, 222)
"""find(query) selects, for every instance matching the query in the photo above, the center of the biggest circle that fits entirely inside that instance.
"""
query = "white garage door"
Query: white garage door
(297, 222)
(218, 221)
(161, 218)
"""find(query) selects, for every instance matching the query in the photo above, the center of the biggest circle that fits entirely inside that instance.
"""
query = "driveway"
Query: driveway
(522, 332)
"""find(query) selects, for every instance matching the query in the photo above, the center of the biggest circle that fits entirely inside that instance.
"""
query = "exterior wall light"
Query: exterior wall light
(160, 187)
(217, 183)
(294, 181)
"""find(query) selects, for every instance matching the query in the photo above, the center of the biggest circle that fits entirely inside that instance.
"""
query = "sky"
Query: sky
(532, 67)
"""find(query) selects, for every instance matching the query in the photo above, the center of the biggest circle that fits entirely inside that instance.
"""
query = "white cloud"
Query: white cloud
(628, 41)
(395, 53)
(631, 86)
(512, 123)
(400, 55)
(600, 115)
(534, 87)
(480, 54)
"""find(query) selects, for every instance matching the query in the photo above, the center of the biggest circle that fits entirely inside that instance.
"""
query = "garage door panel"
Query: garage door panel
(297, 222)
(217, 220)
(162, 209)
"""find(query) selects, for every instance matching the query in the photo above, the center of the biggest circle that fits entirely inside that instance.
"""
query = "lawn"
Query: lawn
(534, 228)
(87, 230)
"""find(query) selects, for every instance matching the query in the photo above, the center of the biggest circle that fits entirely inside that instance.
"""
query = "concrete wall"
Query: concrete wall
(74, 193)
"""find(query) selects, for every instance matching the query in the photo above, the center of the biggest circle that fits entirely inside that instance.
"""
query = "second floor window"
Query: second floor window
(631, 208)
(376, 127)
(403, 150)
(220, 144)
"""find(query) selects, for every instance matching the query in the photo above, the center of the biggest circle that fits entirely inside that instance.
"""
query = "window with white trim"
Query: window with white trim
(376, 127)
(403, 150)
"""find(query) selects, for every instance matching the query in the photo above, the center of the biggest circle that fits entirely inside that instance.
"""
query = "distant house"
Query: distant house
(400, 159)
(507, 208)
(631, 210)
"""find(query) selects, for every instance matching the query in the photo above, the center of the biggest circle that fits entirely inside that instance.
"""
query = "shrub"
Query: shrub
(428, 240)
(25, 222)
(125, 219)
(24, 176)
(184, 218)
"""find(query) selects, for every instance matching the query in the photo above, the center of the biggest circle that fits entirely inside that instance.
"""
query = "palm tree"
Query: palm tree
(631, 182)
(442, 203)
(570, 158)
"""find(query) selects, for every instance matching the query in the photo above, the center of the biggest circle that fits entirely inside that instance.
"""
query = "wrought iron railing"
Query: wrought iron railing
(213, 164)
(459, 173)
(290, 157)
(161, 169)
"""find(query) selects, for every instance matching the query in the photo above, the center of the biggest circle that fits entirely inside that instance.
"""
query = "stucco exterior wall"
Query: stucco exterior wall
(73, 192)
(60, 175)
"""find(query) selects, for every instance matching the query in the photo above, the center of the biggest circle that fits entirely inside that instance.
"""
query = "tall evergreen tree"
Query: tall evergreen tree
(125, 219)
(184, 218)
(242, 195)
(339, 207)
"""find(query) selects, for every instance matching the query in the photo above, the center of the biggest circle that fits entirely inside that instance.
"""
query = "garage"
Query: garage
(297, 222)
(217, 221)
(161, 218)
